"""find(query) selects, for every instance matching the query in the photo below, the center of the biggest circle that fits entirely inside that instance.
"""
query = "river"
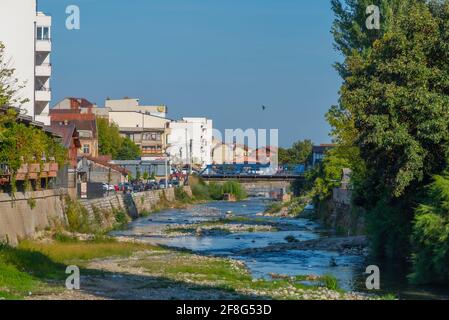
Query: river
(347, 268)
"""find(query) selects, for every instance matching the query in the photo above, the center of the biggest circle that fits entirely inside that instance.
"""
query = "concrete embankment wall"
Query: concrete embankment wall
(36, 211)
(338, 213)
(29, 213)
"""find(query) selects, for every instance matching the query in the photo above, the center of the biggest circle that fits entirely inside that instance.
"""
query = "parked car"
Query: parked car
(163, 184)
(151, 186)
(174, 183)
(107, 187)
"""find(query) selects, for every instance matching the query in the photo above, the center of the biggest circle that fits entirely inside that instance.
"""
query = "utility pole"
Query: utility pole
(190, 156)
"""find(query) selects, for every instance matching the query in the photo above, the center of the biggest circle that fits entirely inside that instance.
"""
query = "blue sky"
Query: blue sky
(222, 59)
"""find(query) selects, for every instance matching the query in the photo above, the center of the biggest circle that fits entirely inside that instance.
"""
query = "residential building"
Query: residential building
(318, 152)
(190, 141)
(130, 104)
(26, 34)
(149, 132)
(70, 139)
(231, 153)
(84, 105)
(72, 103)
(96, 170)
(86, 125)
(265, 155)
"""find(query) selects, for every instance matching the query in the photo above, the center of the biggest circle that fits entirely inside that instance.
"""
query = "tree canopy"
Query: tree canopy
(393, 112)
(298, 153)
(112, 143)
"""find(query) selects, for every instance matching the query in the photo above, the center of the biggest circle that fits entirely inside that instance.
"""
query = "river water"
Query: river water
(348, 269)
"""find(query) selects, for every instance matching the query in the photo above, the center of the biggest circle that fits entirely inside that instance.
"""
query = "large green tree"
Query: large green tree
(394, 108)
(298, 153)
(110, 142)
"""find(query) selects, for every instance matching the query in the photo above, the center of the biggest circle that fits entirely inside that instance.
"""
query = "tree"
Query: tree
(9, 86)
(128, 150)
(299, 153)
(109, 139)
(394, 101)
(431, 234)
(111, 143)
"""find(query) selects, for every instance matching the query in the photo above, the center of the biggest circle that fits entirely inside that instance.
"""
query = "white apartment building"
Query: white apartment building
(190, 141)
(26, 34)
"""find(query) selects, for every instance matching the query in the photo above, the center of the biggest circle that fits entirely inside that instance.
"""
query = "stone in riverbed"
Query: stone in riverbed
(199, 232)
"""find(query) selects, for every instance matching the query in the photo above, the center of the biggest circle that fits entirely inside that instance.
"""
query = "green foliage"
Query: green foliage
(235, 188)
(121, 217)
(128, 150)
(215, 191)
(299, 153)
(77, 216)
(431, 234)
(393, 112)
(200, 192)
(327, 175)
(9, 86)
(21, 144)
(274, 207)
(330, 282)
(111, 143)
(181, 195)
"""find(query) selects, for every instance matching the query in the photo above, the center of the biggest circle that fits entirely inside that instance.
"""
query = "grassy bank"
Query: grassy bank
(215, 191)
(37, 269)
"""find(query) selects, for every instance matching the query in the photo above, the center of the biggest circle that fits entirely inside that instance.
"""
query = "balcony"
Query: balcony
(43, 94)
(43, 70)
(43, 45)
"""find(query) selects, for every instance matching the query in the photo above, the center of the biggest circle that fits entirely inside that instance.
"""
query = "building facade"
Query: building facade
(131, 104)
(147, 131)
(86, 125)
(26, 35)
(190, 141)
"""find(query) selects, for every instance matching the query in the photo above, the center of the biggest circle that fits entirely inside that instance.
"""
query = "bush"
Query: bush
(77, 216)
(120, 217)
(235, 188)
(181, 195)
(215, 191)
(201, 192)
(430, 235)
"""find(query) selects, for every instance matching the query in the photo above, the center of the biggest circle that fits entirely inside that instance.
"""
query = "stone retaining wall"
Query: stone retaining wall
(30, 213)
(36, 211)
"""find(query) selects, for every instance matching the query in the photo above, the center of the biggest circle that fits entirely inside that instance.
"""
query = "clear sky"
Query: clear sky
(222, 59)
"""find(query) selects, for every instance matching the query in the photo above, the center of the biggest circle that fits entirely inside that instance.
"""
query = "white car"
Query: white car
(107, 187)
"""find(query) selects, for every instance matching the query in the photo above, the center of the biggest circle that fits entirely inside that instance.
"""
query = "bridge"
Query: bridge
(253, 177)
(257, 179)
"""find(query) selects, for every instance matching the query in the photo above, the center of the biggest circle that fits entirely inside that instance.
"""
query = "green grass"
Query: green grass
(330, 282)
(38, 267)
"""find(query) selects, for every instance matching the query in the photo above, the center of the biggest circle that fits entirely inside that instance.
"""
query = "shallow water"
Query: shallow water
(348, 269)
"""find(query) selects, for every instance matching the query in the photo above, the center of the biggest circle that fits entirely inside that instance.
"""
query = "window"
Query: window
(43, 33)
(152, 149)
(86, 149)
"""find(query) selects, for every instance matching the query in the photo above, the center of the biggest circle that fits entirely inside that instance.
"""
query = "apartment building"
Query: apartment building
(149, 132)
(26, 35)
(190, 141)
